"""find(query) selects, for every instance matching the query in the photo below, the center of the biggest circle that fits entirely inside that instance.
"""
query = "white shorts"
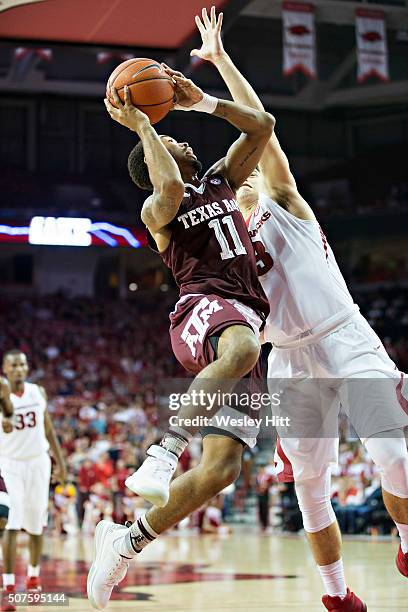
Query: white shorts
(4, 500)
(348, 368)
(28, 485)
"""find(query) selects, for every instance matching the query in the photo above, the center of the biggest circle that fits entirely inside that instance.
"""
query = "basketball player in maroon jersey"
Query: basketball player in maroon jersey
(6, 406)
(7, 411)
(197, 228)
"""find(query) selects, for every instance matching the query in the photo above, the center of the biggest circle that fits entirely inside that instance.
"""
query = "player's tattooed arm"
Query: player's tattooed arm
(273, 164)
(164, 174)
(244, 155)
(256, 126)
(168, 186)
(55, 446)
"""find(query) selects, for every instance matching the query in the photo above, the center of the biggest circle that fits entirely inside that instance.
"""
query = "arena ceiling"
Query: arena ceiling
(77, 30)
(141, 23)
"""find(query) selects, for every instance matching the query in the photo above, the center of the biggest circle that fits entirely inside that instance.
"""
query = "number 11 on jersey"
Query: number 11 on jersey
(226, 251)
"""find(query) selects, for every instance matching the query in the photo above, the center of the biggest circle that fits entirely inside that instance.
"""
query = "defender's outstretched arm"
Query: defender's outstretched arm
(274, 164)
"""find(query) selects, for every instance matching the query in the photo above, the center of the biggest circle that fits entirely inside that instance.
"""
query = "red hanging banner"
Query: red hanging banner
(299, 38)
(372, 49)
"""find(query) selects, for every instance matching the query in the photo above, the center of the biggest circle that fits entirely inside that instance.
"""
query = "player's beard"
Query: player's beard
(197, 166)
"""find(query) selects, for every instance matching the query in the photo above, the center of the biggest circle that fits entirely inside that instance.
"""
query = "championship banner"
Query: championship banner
(299, 39)
(372, 49)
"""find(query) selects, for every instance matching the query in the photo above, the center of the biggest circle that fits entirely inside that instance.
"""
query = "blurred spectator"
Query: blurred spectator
(211, 520)
(100, 363)
(264, 479)
(64, 513)
(87, 477)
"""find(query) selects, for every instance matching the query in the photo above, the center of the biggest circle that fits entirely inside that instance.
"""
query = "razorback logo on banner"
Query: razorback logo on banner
(299, 38)
(372, 50)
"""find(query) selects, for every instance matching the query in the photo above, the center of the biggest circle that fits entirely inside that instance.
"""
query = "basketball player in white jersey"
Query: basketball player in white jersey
(317, 333)
(26, 468)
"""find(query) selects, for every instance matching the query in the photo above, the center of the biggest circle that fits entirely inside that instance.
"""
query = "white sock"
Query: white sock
(333, 578)
(8, 579)
(33, 571)
(176, 442)
(137, 537)
(403, 532)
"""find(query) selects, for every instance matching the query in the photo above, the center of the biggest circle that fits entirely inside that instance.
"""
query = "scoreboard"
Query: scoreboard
(73, 231)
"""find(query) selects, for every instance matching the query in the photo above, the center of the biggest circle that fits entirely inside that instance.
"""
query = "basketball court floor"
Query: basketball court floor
(242, 571)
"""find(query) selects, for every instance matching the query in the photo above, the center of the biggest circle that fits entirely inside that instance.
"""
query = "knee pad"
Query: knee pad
(4, 511)
(391, 457)
(4, 504)
(314, 502)
(395, 479)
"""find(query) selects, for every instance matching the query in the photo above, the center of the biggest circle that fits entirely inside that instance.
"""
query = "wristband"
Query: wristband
(207, 105)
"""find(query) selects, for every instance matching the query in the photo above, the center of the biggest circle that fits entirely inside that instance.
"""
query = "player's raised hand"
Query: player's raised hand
(125, 112)
(210, 30)
(187, 93)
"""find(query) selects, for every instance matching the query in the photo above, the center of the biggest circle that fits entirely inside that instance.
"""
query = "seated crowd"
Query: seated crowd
(100, 362)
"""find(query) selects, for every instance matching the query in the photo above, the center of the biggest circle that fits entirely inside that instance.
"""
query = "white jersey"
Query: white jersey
(299, 274)
(28, 437)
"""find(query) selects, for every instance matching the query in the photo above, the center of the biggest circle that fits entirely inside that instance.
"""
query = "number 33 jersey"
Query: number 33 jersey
(210, 251)
(298, 272)
(28, 437)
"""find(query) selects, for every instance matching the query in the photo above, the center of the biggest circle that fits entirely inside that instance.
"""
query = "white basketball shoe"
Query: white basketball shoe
(108, 567)
(152, 480)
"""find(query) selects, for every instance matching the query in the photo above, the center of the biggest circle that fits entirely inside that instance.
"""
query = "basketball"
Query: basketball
(151, 89)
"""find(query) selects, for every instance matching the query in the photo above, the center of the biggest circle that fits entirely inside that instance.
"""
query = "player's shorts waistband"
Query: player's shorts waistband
(247, 312)
(183, 299)
(313, 335)
(22, 460)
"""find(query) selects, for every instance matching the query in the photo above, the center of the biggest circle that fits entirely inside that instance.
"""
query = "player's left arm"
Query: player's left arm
(5, 401)
(6, 406)
(256, 127)
(54, 443)
(274, 164)
(245, 153)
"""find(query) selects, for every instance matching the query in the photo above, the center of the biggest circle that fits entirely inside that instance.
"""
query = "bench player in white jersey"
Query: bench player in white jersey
(317, 332)
(26, 468)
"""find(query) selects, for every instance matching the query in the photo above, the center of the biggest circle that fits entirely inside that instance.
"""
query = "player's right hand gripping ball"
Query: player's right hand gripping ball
(151, 88)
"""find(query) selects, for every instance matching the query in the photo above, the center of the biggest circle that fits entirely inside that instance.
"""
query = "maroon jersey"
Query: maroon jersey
(210, 251)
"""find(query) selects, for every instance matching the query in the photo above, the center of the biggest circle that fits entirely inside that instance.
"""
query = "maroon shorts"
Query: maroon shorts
(198, 317)
(4, 499)
(3, 488)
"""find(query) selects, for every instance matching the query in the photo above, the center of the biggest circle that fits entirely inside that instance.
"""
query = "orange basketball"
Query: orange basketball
(151, 89)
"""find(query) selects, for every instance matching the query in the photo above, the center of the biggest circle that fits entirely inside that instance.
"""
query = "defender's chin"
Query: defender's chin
(244, 191)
